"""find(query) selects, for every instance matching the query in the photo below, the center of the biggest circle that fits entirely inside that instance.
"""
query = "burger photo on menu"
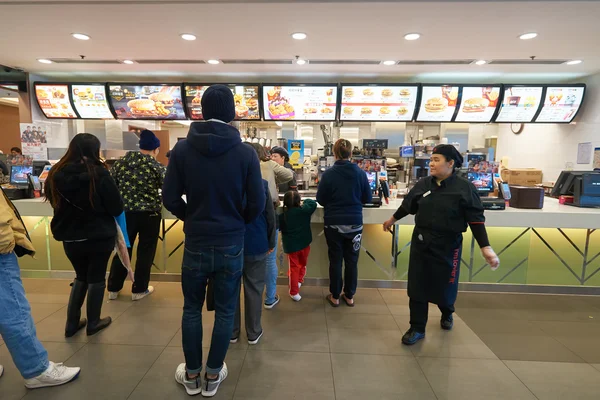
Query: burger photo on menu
(475, 105)
(147, 102)
(436, 104)
(368, 92)
(387, 93)
(348, 110)
(384, 110)
(402, 111)
(349, 92)
(366, 110)
(404, 92)
(164, 98)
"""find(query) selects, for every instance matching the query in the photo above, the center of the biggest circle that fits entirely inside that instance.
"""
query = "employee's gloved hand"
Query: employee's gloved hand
(490, 257)
(387, 225)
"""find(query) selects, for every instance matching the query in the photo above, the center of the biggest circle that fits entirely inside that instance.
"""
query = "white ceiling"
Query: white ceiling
(348, 30)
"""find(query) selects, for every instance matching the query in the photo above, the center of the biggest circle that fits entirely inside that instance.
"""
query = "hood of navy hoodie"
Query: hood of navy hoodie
(213, 139)
(345, 169)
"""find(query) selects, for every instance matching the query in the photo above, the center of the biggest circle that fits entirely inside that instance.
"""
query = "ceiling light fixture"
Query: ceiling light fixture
(214, 62)
(412, 36)
(480, 62)
(299, 35)
(44, 61)
(188, 36)
(127, 62)
(80, 36)
(300, 61)
(574, 62)
(389, 62)
(527, 36)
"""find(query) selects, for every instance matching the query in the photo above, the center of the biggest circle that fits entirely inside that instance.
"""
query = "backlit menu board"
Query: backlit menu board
(478, 103)
(520, 103)
(378, 103)
(561, 104)
(146, 101)
(90, 101)
(438, 103)
(54, 102)
(245, 97)
(300, 103)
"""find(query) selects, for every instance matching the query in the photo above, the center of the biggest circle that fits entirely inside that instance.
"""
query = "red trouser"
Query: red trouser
(297, 271)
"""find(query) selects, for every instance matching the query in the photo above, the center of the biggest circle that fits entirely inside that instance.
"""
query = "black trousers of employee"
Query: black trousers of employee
(90, 258)
(343, 248)
(146, 225)
(419, 312)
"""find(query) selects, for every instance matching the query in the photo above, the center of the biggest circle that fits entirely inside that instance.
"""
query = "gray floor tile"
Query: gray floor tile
(358, 376)
(360, 321)
(460, 342)
(12, 385)
(52, 329)
(142, 326)
(159, 382)
(312, 300)
(276, 375)
(40, 311)
(167, 294)
(557, 381)
(368, 341)
(294, 332)
(367, 301)
(394, 296)
(107, 372)
(462, 379)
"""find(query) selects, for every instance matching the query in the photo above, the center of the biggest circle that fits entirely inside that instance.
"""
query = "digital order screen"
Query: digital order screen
(378, 103)
(300, 103)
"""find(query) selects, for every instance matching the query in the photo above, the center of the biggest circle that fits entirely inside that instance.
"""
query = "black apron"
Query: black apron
(434, 267)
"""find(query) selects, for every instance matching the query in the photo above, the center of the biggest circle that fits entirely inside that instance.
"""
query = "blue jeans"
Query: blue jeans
(16, 325)
(224, 265)
(271, 274)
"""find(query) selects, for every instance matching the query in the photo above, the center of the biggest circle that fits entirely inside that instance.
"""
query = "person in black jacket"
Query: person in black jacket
(86, 201)
(343, 190)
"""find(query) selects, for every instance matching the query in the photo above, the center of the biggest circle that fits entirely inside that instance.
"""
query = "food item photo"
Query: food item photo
(436, 104)
(349, 92)
(368, 92)
(164, 98)
(404, 92)
(477, 104)
(384, 110)
(387, 93)
(142, 108)
(402, 111)
(348, 110)
(366, 110)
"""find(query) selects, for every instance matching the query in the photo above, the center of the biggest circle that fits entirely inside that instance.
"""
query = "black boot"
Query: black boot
(447, 322)
(74, 321)
(94, 308)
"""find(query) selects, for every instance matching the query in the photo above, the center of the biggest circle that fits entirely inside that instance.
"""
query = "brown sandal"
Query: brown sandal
(349, 302)
(330, 299)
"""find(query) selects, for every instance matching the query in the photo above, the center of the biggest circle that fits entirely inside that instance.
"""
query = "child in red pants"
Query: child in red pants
(296, 237)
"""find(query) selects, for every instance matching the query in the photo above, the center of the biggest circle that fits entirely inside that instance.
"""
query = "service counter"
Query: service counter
(554, 249)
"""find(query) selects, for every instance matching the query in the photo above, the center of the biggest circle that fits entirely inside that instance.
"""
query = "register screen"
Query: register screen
(18, 174)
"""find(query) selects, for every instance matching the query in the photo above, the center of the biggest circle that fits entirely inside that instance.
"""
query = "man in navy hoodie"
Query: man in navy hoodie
(221, 180)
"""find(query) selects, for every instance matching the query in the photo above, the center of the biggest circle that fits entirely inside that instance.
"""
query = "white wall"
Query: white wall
(550, 146)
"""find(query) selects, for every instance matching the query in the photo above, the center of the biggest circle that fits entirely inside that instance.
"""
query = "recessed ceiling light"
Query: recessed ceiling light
(127, 62)
(188, 36)
(412, 36)
(44, 61)
(574, 62)
(389, 62)
(300, 61)
(80, 36)
(299, 35)
(527, 36)
(214, 62)
(480, 62)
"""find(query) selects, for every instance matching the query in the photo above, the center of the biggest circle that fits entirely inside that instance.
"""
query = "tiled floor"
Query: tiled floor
(503, 346)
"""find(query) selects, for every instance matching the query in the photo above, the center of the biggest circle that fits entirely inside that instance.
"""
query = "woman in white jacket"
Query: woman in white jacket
(275, 175)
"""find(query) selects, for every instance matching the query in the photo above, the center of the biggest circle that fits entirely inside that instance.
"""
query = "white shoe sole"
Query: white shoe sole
(296, 299)
(141, 295)
(40, 385)
(255, 341)
(188, 390)
(271, 306)
(233, 341)
(113, 295)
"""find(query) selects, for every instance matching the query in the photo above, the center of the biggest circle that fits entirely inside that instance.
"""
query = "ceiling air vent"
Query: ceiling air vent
(528, 62)
(84, 61)
(257, 62)
(345, 62)
(170, 61)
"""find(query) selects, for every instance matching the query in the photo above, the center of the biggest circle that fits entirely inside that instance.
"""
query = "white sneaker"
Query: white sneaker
(234, 340)
(273, 304)
(255, 341)
(139, 296)
(192, 387)
(296, 297)
(1, 371)
(113, 295)
(210, 386)
(55, 375)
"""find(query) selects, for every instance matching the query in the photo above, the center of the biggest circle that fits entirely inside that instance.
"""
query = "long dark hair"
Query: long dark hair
(83, 149)
(291, 199)
(260, 151)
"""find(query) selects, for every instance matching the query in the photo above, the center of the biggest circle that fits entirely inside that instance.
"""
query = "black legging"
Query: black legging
(90, 258)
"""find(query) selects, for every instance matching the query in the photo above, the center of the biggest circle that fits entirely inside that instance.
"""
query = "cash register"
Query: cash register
(484, 183)
(19, 182)
(376, 200)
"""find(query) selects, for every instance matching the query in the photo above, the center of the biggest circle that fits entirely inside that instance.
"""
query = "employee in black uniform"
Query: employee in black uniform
(444, 204)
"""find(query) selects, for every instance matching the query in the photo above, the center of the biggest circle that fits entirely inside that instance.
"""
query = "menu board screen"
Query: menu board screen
(478, 104)
(245, 97)
(378, 103)
(146, 102)
(54, 101)
(90, 101)
(520, 104)
(300, 103)
(438, 103)
(561, 104)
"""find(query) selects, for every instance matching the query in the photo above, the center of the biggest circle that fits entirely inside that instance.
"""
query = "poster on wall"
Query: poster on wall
(53, 100)
(520, 104)
(300, 103)
(438, 103)
(478, 104)
(296, 152)
(34, 140)
(245, 98)
(158, 102)
(561, 104)
(378, 103)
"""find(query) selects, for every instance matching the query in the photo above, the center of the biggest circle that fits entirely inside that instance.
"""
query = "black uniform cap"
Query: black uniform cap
(450, 152)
